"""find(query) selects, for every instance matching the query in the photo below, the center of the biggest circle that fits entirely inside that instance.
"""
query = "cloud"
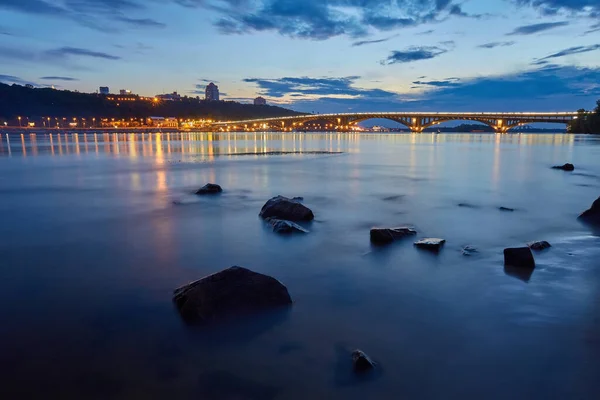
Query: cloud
(535, 28)
(365, 42)
(142, 22)
(493, 45)
(14, 79)
(58, 78)
(441, 83)
(207, 81)
(553, 7)
(413, 54)
(75, 51)
(568, 52)
(317, 88)
(428, 32)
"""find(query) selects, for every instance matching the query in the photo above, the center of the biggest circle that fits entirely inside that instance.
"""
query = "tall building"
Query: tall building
(104, 90)
(124, 92)
(259, 101)
(212, 92)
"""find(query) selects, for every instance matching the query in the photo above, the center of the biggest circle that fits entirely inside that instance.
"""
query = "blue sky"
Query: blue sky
(315, 55)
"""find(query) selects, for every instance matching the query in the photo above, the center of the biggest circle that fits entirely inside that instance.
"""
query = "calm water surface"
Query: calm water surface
(98, 229)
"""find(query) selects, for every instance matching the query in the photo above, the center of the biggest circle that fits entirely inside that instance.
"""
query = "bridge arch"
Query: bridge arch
(401, 121)
(487, 122)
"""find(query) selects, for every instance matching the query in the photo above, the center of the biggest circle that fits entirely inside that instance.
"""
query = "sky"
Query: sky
(315, 55)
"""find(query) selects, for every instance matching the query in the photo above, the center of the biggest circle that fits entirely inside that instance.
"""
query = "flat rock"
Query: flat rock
(434, 244)
(469, 250)
(538, 246)
(592, 216)
(361, 362)
(388, 235)
(520, 257)
(506, 209)
(283, 226)
(281, 207)
(566, 167)
(210, 188)
(231, 292)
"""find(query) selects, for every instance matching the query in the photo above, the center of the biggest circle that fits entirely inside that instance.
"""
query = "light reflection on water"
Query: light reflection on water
(98, 228)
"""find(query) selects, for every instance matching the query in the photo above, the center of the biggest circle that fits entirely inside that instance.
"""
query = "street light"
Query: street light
(19, 121)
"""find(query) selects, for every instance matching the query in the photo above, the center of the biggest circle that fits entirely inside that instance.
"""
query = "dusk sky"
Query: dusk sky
(315, 55)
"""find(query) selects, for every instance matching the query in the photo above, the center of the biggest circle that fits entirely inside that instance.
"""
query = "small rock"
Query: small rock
(538, 246)
(281, 207)
(388, 235)
(566, 167)
(506, 209)
(210, 188)
(283, 226)
(433, 244)
(469, 251)
(233, 291)
(467, 205)
(520, 257)
(592, 216)
(361, 361)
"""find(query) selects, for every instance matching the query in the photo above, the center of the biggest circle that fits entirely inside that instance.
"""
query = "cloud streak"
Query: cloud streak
(536, 28)
(58, 78)
(413, 54)
(567, 52)
(76, 51)
(493, 45)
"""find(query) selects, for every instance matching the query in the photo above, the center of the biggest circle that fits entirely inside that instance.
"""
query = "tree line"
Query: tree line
(36, 103)
(587, 121)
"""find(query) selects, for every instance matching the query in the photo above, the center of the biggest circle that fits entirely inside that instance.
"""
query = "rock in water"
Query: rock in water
(469, 251)
(388, 235)
(432, 244)
(231, 292)
(210, 188)
(592, 216)
(281, 207)
(283, 226)
(506, 209)
(520, 257)
(361, 361)
(538, 246)
(566, 167)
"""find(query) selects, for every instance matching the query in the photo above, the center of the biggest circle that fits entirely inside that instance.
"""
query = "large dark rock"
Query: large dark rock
(539, 246)
(361, 362)
(281, 207)
(283, 226)
(566, 167)
(231, 292)
(210, 188)
(388, 235)
(432, 244)
(592, 216)
(520, 257)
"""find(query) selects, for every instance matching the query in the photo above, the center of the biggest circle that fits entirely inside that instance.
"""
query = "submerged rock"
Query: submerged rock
(566, 167)
(283, 226)
(281, 207)
(592, 216)
(210, 188)
(538, 246)
(520, 257)
(233, 291)
(506, 209)
(469, 251)
(433, 244)
(361, 362)
(388, 235)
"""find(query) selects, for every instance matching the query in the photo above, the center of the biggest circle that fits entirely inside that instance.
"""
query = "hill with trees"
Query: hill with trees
(587, 122)
(37, 103)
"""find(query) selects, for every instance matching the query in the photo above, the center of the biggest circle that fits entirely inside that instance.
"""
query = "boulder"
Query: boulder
(231, 292)
(432, 244)
(592, 216)
(210, 188)
(538, 246)
(566, 167)
(361, 362)
(283, 226)
(520, 257)
(388, 235)
(281, 207)
(469, 251)
(506, 209)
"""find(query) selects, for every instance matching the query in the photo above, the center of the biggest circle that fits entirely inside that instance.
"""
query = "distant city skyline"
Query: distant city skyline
(315, 55)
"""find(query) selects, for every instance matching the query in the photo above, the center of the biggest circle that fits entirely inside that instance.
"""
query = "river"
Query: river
(97, 229)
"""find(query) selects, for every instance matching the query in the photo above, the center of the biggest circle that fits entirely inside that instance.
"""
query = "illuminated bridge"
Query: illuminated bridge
(415, 121)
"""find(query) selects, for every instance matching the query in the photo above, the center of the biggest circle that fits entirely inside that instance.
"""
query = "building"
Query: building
(259, 101)
(104, 90)
(169, 97)
(29, 86)
(162, 122)
(212, 92)
(124, 92)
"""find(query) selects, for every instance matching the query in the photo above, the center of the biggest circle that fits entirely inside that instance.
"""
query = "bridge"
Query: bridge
(501, 122)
